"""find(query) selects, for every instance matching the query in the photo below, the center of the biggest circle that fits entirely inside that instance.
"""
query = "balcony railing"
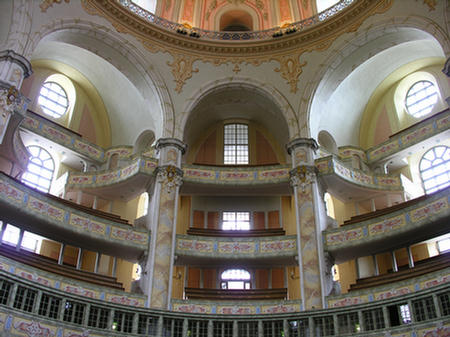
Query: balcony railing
(30, 308)
(236, 36)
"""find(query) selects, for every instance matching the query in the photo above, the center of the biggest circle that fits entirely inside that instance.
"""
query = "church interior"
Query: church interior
(224, 168)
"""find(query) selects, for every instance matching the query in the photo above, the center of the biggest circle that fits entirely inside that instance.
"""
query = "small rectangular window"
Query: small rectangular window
(236, 220)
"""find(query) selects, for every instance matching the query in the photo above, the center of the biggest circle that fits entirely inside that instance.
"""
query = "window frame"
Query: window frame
(235, 144)
(28, 181)
(53, 113)
(237, 222)
(429, 108)
(444, 162)
(247, 282)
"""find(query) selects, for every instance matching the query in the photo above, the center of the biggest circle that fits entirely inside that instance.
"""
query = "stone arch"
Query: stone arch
(326, 140)
(144, 141)
(148, 79)
(264, 89)
(402, 29)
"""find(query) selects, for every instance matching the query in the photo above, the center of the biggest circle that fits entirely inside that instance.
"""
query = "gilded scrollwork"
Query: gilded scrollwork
(302, 176)
(170, 177)
(291, 69)
(182, 69)
(45, 4)
(185, 50)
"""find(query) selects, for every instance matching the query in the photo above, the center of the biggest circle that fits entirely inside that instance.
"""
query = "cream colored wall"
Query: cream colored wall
(387, 101)
(86, 99)
(252, 127)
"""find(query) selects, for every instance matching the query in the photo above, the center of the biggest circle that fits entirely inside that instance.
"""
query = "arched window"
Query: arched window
(40, 169)
(435, 168)
(235, 279)
(235, 144)
(421, 98)
(53, 99)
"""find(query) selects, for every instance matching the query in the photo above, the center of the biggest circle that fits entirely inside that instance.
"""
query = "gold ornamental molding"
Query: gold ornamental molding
(286, 50)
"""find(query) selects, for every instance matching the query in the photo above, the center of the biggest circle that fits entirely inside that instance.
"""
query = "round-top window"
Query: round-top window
(421, 98)
(53, 99)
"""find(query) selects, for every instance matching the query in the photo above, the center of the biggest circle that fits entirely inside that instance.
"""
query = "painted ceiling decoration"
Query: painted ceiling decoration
(186, 50)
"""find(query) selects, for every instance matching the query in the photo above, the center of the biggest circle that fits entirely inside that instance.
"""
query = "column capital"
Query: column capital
(11, 56)
(301, 142)
(169, 176)
(446, 69)
(164, 142)
(302, 176)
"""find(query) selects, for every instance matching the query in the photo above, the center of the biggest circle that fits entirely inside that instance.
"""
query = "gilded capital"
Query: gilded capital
(302, 176)
(170, 177)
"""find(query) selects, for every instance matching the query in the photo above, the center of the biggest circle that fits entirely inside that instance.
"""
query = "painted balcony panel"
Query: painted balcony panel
(70, 286)
(407, 140)
(422, 221)
(28, 209)
(395, 289)
(265, 250)
(136, 176)
(263, 316)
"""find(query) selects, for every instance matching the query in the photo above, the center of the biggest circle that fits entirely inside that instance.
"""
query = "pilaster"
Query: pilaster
(311, 220)
(162, 249)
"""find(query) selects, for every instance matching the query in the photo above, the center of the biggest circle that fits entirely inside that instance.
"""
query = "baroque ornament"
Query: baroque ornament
(186, 50)
(9, 99)
(182, 69)
(291, 69)
(302, 176)
(45, 4)
(170, 177)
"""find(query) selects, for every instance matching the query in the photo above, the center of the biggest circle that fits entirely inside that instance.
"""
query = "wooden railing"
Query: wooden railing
(234, 294)
(236, 234)
(421, 267)
(384, 211)
(49, 265)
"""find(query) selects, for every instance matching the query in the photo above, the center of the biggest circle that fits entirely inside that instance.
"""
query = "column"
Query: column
(315, 280)
(163, 227)
(13, 69)
(394, 261)
(97, 261)
(410, 257)
(79, 258)
(446, 71)
(19, 242)
(61, 253)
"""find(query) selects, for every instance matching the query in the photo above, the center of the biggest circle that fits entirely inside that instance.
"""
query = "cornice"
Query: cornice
(286, 49)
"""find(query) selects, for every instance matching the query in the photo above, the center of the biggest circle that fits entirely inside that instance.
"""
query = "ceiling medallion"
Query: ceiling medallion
(285, 50)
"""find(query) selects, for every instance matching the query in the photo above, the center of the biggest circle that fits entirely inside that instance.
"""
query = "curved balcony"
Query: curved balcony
(266, 251)
(135, 176)
(58, 219)
(399, 284)
(65, 138)
(30, 308)
(389, 229)
(200, 179)
(69, 285)
(412, 138)
(236, 36)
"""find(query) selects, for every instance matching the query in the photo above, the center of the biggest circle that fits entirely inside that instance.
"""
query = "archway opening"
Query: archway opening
(236, 20)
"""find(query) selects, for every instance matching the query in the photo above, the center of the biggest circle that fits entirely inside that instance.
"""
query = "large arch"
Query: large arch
(377, 50)
(281, 114)
(124, 59)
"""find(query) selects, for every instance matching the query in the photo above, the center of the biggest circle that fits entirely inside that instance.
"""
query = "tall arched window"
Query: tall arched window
(235, 279)
(235, 144)
(435, 168)
(40, 169)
